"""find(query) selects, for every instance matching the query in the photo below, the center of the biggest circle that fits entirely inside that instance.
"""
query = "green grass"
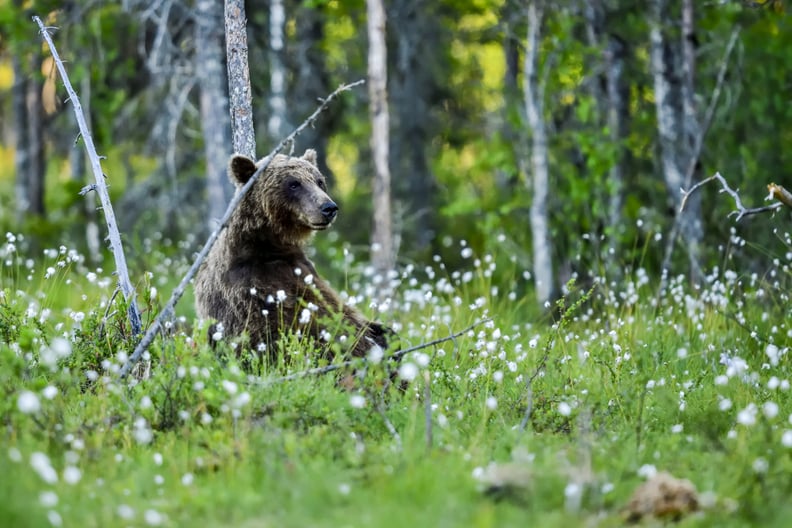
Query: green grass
(623, 379)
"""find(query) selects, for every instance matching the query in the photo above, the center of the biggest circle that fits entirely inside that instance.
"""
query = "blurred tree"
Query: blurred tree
(215, 118)
(673, 66)
(382, 250)
(533, 87)
(277, 124)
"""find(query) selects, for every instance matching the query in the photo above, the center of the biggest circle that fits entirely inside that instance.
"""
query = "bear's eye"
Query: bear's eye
(322, 185)
(294, 185)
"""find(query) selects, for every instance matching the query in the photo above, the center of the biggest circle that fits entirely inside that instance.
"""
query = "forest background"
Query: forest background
(555, 135)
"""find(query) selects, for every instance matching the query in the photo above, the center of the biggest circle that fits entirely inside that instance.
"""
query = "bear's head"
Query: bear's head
(289, 199)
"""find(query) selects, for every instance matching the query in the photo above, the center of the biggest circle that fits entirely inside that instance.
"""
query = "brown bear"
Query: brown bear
(257, 279)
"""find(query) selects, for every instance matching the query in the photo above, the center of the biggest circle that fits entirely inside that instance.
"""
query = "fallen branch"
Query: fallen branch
(100, 187)
(316, 371)
(152, 331)
(776, 191)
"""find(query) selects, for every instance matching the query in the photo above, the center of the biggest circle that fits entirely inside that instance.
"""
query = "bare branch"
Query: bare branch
(776, 191)
(152, 331)
(100, 186)
(358, 361)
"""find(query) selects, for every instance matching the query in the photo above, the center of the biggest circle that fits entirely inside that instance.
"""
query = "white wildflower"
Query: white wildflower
(28, 402)
(408, 371)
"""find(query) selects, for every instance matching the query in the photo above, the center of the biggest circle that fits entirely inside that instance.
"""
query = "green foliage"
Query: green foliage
(625, 377)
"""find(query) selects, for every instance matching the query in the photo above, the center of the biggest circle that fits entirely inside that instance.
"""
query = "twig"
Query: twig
(101, 188)
(148, 338)
(776, 191)
(353, 362)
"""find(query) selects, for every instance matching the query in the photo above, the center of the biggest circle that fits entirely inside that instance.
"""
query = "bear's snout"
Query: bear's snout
(329, 210)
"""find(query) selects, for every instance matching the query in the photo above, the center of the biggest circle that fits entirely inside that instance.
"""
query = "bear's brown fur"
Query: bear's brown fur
(257, 280)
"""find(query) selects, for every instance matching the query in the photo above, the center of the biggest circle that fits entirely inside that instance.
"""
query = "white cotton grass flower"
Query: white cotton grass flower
(54, 518)
(153, 517)
(142, 432)
(770, 410)
(48, 499)
(28, 402)
(42, 466)
(747, 416)
(773, 353)
(49, 392)
(71, 475)
(408, 371)
(647, 471)
(230, 387)
(786, 438)
(14, 455)
(375, 354)
(357, 401)
(187, 479)
(564, 409)
(491, 403)
(125, 511)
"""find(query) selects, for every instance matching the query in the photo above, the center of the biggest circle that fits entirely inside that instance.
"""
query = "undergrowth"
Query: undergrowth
(521, 418)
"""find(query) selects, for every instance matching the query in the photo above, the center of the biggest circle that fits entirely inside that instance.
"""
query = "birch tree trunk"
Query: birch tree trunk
(677, 125)
(215, 117)
(534, 111)
(382, 237)
(277, 122)
(240, 99)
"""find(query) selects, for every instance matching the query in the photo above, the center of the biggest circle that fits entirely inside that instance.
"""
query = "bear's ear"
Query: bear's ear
(240, 169)
(310, 157)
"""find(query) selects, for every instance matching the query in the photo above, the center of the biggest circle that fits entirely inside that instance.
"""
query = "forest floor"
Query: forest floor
(519, 421)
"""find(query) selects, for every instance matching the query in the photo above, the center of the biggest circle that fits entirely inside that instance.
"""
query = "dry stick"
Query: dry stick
(236, 200)
(775, 192)
(352, 362)
(100, 187)
(698, 145)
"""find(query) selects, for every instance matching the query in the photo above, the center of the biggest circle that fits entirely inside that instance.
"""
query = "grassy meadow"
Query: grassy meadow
(523, 420)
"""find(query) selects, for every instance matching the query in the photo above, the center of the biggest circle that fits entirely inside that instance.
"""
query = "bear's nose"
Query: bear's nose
(329, 210)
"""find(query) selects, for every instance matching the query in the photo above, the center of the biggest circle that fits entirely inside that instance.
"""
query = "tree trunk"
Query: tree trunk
(29, 158)
(215, 118)
(411, 86)
(311, 80)
(534, 110)
(672, 70)
(277, 122)
(381, 238)
(614, 110)
(242, 131)
(21, 150)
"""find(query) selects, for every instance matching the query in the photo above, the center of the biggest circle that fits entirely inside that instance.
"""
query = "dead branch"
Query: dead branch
(316, 371)
(776, 191)
(152, 331)
(101, 188)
